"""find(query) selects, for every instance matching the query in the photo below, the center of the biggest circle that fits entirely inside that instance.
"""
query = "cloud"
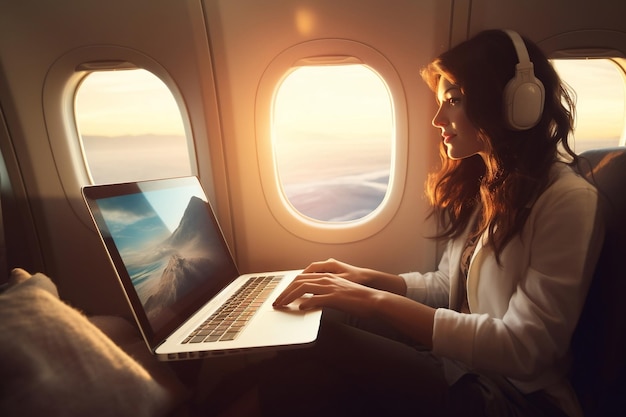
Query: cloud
(123, 217)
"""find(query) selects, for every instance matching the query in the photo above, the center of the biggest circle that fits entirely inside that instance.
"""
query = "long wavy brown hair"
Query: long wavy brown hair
(518, 165)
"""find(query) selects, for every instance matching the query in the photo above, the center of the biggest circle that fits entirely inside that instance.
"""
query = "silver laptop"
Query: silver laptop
(179, 276)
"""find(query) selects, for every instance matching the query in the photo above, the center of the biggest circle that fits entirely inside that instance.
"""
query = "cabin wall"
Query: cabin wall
(41, 44)
(213, 54)
(419, 31)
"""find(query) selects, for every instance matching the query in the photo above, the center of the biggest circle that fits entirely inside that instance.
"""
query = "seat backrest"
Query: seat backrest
(599, 343)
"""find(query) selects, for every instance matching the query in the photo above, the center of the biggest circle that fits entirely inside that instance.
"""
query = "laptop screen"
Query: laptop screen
(166, 245)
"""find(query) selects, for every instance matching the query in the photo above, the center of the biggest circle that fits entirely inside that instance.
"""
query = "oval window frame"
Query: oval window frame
(329, 52)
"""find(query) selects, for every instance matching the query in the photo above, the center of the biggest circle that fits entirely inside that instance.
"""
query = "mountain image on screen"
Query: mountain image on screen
(190, 254)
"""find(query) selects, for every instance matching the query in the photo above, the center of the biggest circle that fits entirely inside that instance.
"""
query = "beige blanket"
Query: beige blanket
(55, 362)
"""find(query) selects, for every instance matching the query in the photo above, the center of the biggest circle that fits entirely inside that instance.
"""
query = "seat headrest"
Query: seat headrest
(599, 343)
(606, 169)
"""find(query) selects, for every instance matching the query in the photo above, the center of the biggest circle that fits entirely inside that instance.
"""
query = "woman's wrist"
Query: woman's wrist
(385, 281)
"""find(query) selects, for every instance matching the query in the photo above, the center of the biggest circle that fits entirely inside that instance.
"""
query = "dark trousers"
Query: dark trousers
(352, 371)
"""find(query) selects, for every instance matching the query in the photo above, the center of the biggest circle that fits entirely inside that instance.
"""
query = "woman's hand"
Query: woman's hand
(340, 269)
(319, 290)
(364, 276)
(330, 290)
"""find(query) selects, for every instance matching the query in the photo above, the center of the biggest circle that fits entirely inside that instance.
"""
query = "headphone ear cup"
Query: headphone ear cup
(524, 94)
(524, 98)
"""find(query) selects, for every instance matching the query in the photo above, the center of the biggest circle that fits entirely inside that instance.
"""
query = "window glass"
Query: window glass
(600, 101)
(333, 134)
(131, 127)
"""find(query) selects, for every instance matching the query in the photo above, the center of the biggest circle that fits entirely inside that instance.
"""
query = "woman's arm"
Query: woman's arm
(329, 290)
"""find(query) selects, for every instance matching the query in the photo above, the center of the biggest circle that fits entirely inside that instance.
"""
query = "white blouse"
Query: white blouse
(525, 310)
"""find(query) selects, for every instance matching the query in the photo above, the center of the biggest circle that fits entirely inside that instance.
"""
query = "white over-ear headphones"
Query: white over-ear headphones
(524, 93)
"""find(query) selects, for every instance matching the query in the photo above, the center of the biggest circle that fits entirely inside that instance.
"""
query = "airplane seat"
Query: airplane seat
(599, 342)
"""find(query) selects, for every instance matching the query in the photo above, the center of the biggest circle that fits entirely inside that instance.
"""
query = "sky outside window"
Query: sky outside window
(333, 133)
(131, 127)
(600, 100)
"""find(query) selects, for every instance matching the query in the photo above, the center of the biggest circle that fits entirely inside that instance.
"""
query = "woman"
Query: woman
(487, 333)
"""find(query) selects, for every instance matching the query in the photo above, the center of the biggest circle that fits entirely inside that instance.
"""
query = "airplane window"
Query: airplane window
(333, 133)
(600, 101)
(131, 127)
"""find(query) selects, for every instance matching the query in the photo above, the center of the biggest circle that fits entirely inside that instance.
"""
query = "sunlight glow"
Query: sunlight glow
(131, 127)
(333, 132)
(305, 21)
(330, 121)
(126, 102)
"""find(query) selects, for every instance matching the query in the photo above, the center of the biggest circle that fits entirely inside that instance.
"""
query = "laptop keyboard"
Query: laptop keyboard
(227, 322)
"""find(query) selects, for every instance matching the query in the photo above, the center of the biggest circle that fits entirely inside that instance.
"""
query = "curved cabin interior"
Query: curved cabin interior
(306, 122)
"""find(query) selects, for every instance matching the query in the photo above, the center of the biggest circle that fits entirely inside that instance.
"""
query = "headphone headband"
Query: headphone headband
(520, 47)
